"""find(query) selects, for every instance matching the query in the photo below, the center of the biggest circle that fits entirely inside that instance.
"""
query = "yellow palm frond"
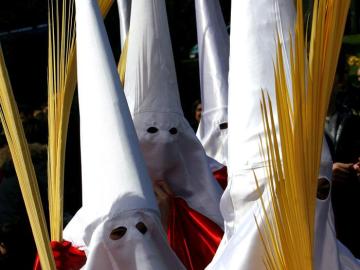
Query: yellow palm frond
(122, 62)
(294, 157)
(61, 87)
(105, 6)
(24, 168)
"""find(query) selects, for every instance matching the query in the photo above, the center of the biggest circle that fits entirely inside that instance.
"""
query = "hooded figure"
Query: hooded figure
(214, 45)
(171, 150)
(124, 8)
(330, 253)
(252, 52)
(118, 225)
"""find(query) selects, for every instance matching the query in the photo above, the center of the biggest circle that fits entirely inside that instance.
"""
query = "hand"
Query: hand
(163, 195)
(356, 168)
(3, 250)
(342, 171)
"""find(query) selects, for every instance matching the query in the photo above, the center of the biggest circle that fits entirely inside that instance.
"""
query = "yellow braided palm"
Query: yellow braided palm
(288, 236)
(62, 80)
(24, 168)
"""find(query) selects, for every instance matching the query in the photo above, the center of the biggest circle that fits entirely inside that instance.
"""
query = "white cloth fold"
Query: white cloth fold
(172, 151)
(213, 46)
(118, 225)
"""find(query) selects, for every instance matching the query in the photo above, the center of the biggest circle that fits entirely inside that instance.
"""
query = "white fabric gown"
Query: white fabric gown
(214, 46)
(252, 51)
(171, 149)
(118, 225)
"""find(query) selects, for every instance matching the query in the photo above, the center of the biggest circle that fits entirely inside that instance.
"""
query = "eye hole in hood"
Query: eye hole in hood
(173, 131)
(118, 233)
(223, 125)
(152, 130)
(323, 189)
(141, 227)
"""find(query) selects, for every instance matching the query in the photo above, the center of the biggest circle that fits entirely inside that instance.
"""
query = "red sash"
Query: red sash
(221, 176)
(67, 257)
(192, 236)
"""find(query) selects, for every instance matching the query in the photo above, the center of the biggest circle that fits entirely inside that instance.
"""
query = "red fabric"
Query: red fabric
(221, 176)
(192, 236)
(67, 257)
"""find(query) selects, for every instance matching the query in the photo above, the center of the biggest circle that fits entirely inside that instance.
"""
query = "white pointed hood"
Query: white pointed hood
(124, 7)
(252, 52)
(118, 224)
(213, 47)
(112, 164)
(329, 252)
(172, 151)
(151, 84)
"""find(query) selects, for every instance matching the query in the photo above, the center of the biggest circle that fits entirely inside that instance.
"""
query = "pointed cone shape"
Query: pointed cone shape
(124, 7)
(171, 150)
(252, 53)
(151, 84)
(213, 46)
(112, 164)
(118, 224)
